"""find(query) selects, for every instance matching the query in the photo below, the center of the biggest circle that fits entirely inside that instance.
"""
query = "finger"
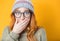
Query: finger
(26, 21)
(24, 25)
(23, 21)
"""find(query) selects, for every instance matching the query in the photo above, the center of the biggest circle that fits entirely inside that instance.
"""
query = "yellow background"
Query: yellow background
(47, 14)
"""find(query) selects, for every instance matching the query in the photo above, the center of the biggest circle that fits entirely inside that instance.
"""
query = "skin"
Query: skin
(22, 17)
(21, 22)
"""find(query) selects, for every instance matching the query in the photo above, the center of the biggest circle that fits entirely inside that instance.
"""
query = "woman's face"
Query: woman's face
(21, 14)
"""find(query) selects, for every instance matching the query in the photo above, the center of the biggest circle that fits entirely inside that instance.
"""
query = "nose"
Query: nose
(22, 17)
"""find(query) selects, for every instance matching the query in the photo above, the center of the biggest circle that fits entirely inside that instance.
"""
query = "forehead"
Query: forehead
(22, 9)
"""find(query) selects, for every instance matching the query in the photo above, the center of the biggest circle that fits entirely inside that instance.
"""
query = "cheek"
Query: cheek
(29, 17)
(18, 19)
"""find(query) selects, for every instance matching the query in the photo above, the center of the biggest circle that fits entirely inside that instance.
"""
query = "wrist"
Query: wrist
(15, 32)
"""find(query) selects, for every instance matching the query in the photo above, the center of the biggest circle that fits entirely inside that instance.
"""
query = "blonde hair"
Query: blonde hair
(31, 29)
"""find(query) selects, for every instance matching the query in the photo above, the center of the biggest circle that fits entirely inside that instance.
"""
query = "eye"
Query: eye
(26, 12)
(17, 14)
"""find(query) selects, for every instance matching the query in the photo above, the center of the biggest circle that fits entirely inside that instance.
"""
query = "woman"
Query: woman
(23, 26)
